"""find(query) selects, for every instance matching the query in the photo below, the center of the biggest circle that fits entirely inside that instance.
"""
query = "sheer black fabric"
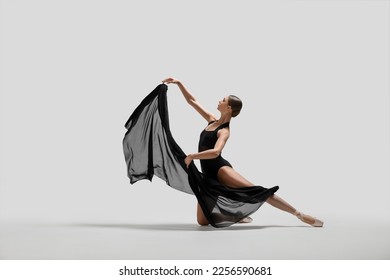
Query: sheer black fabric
(150, 149)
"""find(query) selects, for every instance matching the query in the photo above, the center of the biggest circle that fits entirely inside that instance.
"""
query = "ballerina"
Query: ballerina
(212, 141)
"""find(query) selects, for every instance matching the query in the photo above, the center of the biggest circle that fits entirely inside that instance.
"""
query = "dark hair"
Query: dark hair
(236, 104)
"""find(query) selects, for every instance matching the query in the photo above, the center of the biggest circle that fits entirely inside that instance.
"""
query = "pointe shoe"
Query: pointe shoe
(246, 220)
(305, 219)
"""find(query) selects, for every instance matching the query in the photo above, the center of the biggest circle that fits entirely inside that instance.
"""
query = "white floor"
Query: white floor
(125, 240)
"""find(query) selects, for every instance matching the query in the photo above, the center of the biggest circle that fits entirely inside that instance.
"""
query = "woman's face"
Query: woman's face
(223, 105)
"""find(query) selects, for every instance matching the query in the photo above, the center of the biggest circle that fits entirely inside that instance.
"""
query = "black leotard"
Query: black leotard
(207, 141)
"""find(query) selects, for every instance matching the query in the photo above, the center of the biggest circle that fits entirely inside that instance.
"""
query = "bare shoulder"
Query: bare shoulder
(211, 118)
(224, 132)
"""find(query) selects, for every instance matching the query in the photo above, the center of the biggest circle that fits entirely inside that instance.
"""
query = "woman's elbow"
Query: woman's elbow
(191, 102)
(216, 153)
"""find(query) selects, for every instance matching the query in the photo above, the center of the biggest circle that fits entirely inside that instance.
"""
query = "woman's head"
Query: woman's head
(230, 103)
(235, 104)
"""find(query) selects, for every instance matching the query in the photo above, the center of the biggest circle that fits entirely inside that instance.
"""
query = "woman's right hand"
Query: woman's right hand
(170, 81)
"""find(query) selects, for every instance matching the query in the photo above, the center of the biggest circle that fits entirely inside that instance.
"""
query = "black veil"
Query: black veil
(150, 149)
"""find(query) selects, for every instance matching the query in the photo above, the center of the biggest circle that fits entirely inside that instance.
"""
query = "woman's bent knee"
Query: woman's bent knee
(200, 217)
(203, 222)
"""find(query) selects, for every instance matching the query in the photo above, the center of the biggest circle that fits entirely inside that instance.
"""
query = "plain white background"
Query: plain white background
(313, 76)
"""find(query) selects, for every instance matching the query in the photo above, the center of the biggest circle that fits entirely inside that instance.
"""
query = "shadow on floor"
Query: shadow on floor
(181, 227)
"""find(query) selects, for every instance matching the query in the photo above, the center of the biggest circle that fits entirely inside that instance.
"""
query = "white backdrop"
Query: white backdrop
(313, 75)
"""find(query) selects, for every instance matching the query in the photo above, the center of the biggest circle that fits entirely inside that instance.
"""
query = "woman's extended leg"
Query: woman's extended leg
(229, 177)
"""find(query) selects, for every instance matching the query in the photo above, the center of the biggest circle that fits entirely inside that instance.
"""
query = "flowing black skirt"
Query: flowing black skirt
(150, 149)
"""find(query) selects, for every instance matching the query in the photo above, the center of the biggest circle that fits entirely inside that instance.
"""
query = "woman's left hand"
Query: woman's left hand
(188, 160)
(170, 81)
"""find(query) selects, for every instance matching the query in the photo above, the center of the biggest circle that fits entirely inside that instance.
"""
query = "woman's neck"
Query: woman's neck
(224, 118)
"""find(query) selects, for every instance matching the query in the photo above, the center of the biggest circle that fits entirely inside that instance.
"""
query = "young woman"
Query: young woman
(212, 141)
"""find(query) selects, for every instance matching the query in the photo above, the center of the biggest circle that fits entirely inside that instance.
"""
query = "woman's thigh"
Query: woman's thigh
(231, 178)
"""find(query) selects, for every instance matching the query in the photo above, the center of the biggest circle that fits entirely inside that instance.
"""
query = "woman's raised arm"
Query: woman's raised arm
(191, 100)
